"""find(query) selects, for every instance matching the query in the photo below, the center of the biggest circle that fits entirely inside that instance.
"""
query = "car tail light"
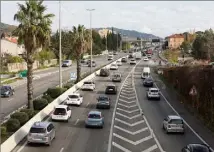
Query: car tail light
(169, 126)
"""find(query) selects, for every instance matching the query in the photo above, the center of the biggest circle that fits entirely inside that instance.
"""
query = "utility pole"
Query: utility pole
(90, 10)
(107, 42)
(117, 41)
(60, 48)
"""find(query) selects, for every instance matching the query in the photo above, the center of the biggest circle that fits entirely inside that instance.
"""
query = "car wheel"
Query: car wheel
(163, 127)
(49, 143)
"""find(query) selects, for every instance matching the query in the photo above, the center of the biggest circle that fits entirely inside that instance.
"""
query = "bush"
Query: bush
(22, 117)
(48, 98)
(68, 85)
(3, 131)
(55, 92)
(39, 104)
(29, 112)
(12, 125)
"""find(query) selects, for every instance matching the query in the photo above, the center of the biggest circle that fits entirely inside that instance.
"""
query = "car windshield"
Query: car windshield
(37, 130)
(110, 87)
(87, 82)
(113, 65)
(176, 121)
(60, 111)
(65, 61)
(73, 96)
(116, 75)
(148, 79)
(154, 91)
(102, 98)
(146, 74)
(94, 116)
(4, 89)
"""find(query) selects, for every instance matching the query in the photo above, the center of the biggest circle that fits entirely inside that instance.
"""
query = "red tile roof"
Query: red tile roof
(12, 39)
(176, 36)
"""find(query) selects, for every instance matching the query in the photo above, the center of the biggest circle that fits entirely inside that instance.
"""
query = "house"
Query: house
(175, 40)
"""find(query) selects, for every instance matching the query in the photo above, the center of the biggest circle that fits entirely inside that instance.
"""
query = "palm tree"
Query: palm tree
(80, 43)
(34, 32)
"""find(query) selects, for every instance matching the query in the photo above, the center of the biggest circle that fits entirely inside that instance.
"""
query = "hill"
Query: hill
(7, 28)
(132, 33)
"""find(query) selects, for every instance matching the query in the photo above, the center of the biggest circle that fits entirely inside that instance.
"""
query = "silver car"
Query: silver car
(41, 132)
(173, 124)
(94, 119)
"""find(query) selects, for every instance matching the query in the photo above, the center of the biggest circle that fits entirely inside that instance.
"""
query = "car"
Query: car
(119, 63)
(113, 66)
(88, 85)
(41, 132)
(115, 53)
(110, 57)
(149, 55)
(130, 56)
(74, 99)
(148, 82)
(116, 77)
(94, 119)
(93, 64)
(111, 89)
(66, 63)
(197, 148)
(124, 59)
(133, 61)
(173, 123)
(145, 58)
(153, 93)
(104, 72)
(6, 91)
(103, 102)
(61, 112)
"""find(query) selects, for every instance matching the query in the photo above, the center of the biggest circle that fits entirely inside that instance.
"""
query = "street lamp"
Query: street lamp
(60, 48)
(90, 10)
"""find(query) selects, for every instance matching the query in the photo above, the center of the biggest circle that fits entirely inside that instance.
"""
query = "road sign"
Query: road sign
(193, 91)
(73, 76)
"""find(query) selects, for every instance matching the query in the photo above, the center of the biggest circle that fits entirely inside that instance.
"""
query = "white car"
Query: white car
(61, 112)
(74, 99)
(133, 61)
(153, 93)
(145, 59)
(173, 123)
(119, 63)
(113, 66)
(88, 85)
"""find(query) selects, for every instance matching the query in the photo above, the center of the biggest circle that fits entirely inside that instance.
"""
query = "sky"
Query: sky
(156, 17)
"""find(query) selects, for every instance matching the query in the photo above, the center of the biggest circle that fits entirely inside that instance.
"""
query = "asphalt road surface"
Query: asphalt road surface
(44, 80)
(73, 136)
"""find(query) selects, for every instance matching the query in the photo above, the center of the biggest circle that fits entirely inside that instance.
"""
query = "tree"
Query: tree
(186, 46)
(44, 55)
(80, 40)
(34, 32)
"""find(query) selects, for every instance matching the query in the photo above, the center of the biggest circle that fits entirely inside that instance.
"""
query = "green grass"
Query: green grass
(9, 81)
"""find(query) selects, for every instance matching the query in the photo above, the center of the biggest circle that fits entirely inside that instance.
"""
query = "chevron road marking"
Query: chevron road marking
(127, 89)
(128, 111)
(132, 142)
(127, 106)
(128, 124)
(150, 149)
(132, 133)
(120, 147)
(120, 114)
(127, 101)
(128, 93)
(127, 85)
(127, 97)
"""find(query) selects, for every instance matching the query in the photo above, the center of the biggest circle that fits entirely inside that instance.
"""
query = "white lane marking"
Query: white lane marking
(150, 149)
(128, 89)
(127, 93)
(129, 132)
(128, 124)
(11, 99)
(132, 142)
(120, 114)
(127, 106)
(120, 147)
(61, 150)
(128, 111)
(114, 113)
(76, 122)
(127, 101)
(22, 147)
(87, 104)
(152, 133)
(127, 97)
(199, 137)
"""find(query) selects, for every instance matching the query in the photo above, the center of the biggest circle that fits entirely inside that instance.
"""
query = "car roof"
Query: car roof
(153, 89)
(94, 112)
(193, 146)
(174, 117)
(61, 106)
(74, 94)
(41, 124)
(111, 85)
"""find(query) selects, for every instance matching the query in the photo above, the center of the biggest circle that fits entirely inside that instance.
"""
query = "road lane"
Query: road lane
(156, 111)
(73, 136)
(41, 85)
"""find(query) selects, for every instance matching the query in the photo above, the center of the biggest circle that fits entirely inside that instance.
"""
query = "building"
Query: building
(104, 32)
(175, 41)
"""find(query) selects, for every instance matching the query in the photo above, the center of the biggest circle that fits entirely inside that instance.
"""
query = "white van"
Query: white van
(146, 73)
(66, 63)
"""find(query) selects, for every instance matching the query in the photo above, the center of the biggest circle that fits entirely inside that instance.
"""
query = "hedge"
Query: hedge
(22, 117)
(3, 131)
(12, 125)
(55, 92)
(39, 104)
(29, 112)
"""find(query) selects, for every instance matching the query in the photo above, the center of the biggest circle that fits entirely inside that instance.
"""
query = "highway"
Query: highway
(44, 80)
(73, 136)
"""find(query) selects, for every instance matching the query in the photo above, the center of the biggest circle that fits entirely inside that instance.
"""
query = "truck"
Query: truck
(138, 55)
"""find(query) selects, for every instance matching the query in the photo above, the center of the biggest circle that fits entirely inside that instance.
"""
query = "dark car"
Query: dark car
(196, 148)
(103, 102)
(6, 91)
(104, 72)
(130, 56)
(111, 89)
(124, 59)
(93, 64)
(115, 53)
(117, 77)
(148, 82)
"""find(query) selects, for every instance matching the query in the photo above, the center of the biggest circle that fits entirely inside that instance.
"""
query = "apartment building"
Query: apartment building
(175, 41)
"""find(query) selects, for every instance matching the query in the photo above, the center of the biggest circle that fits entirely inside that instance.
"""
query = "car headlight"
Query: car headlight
(7, 92)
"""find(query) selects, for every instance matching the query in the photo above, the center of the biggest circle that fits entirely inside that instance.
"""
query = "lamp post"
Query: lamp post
(90, 10)
(60, 48)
